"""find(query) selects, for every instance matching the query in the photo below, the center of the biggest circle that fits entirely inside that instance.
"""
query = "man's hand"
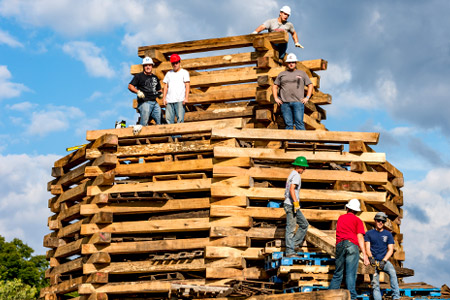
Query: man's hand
(298, 45)
(137, 129)
(278, 101)
(366, 260)
(382, 264)
(140, 94)
(304, 100)
(373, 262)
(296, 206)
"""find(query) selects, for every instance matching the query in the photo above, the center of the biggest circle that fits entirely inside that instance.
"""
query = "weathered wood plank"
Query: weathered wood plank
(261, 134)
(214, 44)
(168, 129)
(173, 186)
(282, 155)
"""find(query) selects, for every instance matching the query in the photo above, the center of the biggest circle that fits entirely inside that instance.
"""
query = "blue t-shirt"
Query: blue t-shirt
(379, 242)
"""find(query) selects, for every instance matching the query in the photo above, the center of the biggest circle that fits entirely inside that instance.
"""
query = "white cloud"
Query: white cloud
(90, 55)
(22, 106)
(55, 118)
(336, 75)
(7, 39)
(23, 200)
(426, 220)
(9, 89)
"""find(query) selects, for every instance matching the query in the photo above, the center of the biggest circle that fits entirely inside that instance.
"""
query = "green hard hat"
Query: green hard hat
(301, 162)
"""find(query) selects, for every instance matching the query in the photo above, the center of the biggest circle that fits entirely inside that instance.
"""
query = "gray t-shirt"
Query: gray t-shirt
(292, 85)
(273, 25)
(294, 178)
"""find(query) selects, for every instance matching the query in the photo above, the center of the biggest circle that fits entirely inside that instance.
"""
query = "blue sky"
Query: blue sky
(64, 68)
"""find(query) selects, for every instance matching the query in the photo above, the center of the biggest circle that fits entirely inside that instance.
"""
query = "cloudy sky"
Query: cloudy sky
(64, 68)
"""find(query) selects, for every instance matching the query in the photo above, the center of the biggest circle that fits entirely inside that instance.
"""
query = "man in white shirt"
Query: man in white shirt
(176, 91)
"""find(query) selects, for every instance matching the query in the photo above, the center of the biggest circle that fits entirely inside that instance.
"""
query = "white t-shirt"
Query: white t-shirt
(294, 178)
(176, 85)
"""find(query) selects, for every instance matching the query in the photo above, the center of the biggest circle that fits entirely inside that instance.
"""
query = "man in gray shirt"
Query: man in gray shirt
(280, 24)
(292, 208)
(291, 87)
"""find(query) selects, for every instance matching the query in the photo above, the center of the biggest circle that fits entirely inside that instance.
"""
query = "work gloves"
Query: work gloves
(296, 206)
(298, 45)
(137, 129)
(140, 94)
(373, 262)
(381, 266)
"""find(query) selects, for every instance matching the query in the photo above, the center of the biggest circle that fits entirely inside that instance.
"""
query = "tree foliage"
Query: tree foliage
(16, 290)
(17, 262)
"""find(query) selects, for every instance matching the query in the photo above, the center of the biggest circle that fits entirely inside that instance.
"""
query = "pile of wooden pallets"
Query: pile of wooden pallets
(192, 210)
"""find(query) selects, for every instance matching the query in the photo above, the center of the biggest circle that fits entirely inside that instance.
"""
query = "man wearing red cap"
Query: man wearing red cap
(176, 90)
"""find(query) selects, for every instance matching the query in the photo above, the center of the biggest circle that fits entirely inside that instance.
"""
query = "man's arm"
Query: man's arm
(363, 250)
(308, 94)
(186, 96)
(132, 88)
(294, 36)
(165, 88)
(275, 94)
(389, 252)
(259, 29)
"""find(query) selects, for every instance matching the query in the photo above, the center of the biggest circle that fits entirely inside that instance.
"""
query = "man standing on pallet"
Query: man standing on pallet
(291, 87)
(294, 216)
(176, 90)
(380, 247)
(280, 24)
(147, 87)
(349, 236)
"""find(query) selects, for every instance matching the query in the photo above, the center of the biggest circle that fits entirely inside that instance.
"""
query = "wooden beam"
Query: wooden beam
(215, 44)
(259, 134)
(282, 155)
(168, 129)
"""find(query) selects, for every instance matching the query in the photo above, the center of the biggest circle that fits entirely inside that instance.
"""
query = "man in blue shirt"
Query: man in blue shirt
(379, 248)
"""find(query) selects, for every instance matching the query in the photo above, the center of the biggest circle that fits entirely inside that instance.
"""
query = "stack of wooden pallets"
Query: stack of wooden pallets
(193, 209)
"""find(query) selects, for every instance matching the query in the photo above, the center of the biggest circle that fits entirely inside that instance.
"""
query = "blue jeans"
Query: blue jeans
(347, 257)
(390, 270)
(149, 109)
(294, 240)
(174, 109)
(293, 115)
(282, 47)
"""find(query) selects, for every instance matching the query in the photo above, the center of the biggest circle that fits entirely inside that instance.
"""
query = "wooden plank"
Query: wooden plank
(315, 64)
(131, 267)
(265, 134)
(172, 186)
(168, 129)
(310, 175)
(127, 287)
(64, 287)
(166, 167)
(252, 273)
(282, 155)
(232, 93)
(315, 295)
(215, 43)
(172, 148)
(147, 206)
(224, 252)
(216, 114)
(278, 213)
(307, 195)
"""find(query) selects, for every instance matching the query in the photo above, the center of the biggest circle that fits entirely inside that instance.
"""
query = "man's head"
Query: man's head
(285, 12)
(353, 205)
(291, 61)
(147, 65)
(380, 218)
(175, 60)
(300, 164)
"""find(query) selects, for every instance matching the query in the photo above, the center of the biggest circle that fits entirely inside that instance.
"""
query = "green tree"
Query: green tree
(17, 262)
(16, 290)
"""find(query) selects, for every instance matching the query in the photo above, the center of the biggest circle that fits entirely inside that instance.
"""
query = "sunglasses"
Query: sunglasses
(175, 63)
(380, 221)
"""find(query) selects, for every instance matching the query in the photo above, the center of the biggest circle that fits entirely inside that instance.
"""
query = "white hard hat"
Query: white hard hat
(354, 204)
(291, 57)
(147, 61)
(286, 9)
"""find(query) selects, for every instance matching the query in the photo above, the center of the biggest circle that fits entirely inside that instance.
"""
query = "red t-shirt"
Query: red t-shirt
(347, 228)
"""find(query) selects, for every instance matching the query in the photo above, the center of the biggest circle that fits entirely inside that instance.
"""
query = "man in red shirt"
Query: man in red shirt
(349, 236)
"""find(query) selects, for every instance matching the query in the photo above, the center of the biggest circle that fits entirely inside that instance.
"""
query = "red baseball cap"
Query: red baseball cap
(174, 58)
